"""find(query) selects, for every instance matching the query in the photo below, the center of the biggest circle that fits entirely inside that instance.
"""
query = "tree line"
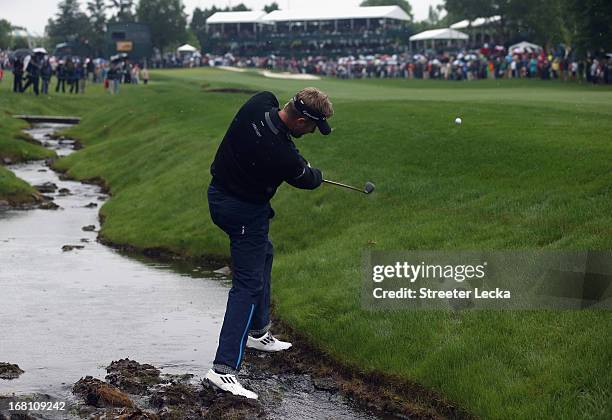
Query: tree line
(585, 25)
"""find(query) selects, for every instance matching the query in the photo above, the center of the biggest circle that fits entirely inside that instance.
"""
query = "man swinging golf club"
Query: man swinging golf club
(254, 158)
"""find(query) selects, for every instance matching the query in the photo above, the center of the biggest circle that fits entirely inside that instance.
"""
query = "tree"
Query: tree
(5, 34)
(166, 19)
(125, 11)
(271, 7)
(433, 16)
(97, 22)
(240, 8)
(69, 24)
(401, 3)
(471, 9)
(593, 20)
(198, 23)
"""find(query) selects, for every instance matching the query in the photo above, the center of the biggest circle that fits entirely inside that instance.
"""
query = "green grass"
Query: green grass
(13, 143)
(529, 168)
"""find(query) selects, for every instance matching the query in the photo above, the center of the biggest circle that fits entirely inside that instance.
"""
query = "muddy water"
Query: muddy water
(68, 314)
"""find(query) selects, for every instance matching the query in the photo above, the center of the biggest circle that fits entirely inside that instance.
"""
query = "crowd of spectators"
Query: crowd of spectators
(485, 63)
(496, 63)
(72, 74)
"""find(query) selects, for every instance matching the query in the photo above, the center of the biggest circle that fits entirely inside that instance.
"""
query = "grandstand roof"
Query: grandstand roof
(331, 13)
(481, 21)
(237, 17)
(445, 33)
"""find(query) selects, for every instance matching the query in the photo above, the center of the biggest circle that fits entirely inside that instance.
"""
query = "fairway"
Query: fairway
(529, 168)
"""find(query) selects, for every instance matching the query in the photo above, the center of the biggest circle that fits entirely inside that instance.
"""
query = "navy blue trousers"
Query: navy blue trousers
(248, 303)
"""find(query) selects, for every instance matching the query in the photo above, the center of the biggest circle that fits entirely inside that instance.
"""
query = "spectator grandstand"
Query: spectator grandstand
(330, 32)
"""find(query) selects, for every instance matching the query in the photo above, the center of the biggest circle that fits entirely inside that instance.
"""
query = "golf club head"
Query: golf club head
(369, 187)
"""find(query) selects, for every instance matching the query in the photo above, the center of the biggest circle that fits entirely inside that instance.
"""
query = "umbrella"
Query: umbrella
(21, 53)
(39, 50)
(118, 57)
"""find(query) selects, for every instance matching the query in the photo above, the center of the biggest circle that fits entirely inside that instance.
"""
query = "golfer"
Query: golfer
(254, 158)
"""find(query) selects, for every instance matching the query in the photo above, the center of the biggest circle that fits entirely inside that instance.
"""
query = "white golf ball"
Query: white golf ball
(458, 121)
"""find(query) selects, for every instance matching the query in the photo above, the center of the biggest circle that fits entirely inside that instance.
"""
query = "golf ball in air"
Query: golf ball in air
(458, 121)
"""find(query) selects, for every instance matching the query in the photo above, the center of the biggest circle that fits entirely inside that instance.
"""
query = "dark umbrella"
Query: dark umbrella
(20, 53)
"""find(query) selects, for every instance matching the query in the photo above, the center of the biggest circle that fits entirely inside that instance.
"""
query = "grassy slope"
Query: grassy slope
(528, 169)
(12, 144)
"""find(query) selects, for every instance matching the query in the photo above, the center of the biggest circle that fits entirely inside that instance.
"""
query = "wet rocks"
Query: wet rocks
(232, 407)
(9, 371)
(48, 205)
(88, 228)
(175, 393)
(131, 376)
(67, 248)
(7, 160)
(224, 271)
(325, 384)
(64, 191)
(100, 394)
(4, 204)
(138, 391)
(47, 187)
(91, 205)
(124, 413)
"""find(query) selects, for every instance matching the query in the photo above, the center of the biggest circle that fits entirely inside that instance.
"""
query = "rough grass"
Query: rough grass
(529, 168)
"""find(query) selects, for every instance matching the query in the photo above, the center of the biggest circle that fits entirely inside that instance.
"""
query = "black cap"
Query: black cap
(316, 116)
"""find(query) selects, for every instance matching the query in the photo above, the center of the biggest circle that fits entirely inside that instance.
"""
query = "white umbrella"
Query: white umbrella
(525, 47)
(186, 48)
(39, 50)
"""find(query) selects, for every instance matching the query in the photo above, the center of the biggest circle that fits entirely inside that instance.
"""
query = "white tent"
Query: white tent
(236, 17)
(524, 46)
(481, 21)
(439, 34)
(337, 13)
(186, 48)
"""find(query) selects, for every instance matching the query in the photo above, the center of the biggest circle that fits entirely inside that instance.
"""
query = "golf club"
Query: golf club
(369, 187)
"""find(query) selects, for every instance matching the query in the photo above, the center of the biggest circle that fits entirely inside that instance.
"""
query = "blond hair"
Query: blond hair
(314, 99)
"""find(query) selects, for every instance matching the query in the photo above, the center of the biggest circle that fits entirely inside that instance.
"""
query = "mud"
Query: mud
(139, 391)
(9, 371)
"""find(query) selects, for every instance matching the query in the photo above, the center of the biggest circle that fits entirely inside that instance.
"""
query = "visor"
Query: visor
(317, 117)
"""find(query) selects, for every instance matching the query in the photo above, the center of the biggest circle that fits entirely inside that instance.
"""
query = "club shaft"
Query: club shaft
(344, 185)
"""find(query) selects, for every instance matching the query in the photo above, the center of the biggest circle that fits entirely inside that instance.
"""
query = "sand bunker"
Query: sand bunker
(228, 68)
(286, 75)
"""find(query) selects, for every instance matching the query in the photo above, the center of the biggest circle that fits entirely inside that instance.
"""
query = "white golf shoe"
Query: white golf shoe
(229, 383)
(267, 342)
